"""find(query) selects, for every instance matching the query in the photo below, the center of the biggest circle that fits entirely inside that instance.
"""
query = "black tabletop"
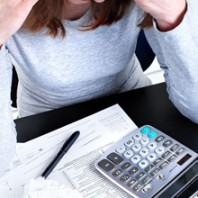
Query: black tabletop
(149, 105)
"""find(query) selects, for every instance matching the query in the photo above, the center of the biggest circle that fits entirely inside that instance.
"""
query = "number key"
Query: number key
(129, 143)
(137, 136)
(135, 159)
(136, 147)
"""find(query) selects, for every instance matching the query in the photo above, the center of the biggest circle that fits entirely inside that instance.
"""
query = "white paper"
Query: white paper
(80, 174)
(41, 188)
(97, 132)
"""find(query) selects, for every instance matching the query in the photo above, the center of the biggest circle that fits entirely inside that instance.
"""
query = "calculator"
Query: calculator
(144, 161)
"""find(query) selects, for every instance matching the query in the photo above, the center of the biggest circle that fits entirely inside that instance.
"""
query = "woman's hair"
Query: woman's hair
(47, 14)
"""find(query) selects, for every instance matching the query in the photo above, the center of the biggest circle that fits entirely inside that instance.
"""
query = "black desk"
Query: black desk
(148, 105)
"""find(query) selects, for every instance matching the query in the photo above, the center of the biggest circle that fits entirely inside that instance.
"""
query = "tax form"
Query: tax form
(76, 169)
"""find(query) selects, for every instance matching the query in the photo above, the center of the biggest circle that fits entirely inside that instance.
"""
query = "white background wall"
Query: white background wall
(155, 73)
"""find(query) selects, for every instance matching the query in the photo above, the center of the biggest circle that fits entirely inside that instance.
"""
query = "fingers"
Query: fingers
(12, 15)
(26, 5)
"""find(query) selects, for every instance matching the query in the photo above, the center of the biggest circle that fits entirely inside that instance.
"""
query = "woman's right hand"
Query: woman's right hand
(12, 16)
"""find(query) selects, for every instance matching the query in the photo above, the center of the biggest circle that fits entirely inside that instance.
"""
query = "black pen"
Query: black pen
(66, 146)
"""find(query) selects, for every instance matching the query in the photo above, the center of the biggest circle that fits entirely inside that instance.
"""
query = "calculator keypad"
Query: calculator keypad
(141, 163)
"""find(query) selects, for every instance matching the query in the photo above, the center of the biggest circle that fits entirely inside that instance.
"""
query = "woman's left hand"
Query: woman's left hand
(167, 13)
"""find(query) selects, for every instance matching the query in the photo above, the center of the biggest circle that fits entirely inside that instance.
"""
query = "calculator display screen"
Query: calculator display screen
(184, 159)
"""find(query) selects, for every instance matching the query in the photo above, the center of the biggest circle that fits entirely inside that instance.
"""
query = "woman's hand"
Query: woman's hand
(12, 16)
(167, 13)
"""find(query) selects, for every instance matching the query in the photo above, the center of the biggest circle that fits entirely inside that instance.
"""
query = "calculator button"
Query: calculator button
(155, 172)
(180, 151)
(131, 182)
(153, 134)
(135, 159)
(144, 141)
(159, 138)
(137, 187)
(121, 149)
(115, 158)
(174, 147)
(126, 165)
(167, 143)
(124, 178)
(172, 158)
(147, 188)
(144, 152)
(133, 171)
(129, 143)
(152, 145)
(140, 175)
(117, 173)
(128, 154)
(160, 177)
(136, 147)
(106, 165)
(146, 130)
(149, 168)
(143, 164)
(151, 157)
(166, 154)
(146, 180)
(163, 165)
(137, 136)
(160, 150)
(157, 161)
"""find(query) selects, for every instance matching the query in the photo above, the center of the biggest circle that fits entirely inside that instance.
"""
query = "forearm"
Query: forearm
(177, 53)
(7, 126)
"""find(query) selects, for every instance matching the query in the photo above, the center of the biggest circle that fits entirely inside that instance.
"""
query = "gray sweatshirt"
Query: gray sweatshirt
(89, 64)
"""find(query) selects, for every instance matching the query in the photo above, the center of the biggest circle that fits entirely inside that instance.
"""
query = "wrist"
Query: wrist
(170, 22)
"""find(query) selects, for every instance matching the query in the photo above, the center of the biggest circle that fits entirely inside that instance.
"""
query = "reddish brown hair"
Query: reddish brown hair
(47, 14)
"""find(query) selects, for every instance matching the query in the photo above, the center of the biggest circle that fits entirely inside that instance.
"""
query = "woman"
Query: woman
(69, 51)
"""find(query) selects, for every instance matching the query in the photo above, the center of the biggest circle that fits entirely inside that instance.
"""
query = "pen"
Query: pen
(66, 146)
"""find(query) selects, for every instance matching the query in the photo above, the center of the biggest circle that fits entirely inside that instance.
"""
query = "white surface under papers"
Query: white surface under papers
(76, 169)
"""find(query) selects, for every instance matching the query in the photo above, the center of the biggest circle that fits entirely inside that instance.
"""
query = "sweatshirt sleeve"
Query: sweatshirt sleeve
(7, 126)
(177, 53)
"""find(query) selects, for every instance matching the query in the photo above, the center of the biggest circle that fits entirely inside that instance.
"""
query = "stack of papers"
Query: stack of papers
(76, 170)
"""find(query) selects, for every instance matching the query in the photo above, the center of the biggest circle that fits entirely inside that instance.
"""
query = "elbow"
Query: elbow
(188, 108)
(185, 99)
(193, 115)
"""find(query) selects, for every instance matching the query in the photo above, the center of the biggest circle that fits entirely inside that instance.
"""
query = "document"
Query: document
(97, 132)
(81, 174)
